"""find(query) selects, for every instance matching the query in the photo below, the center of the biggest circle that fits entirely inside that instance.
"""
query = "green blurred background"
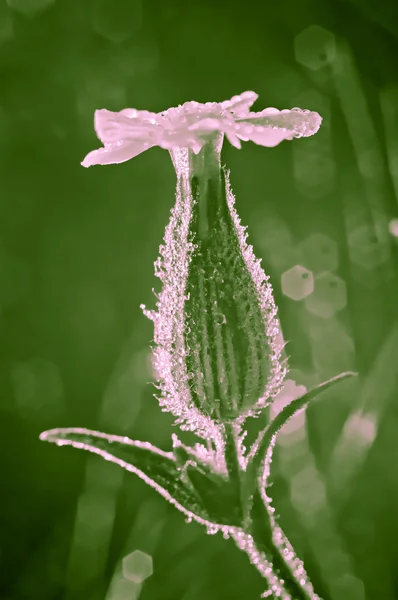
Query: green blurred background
(77, 249)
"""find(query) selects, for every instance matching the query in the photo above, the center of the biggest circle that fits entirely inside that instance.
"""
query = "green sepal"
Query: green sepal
(218, 496)
(228, 352)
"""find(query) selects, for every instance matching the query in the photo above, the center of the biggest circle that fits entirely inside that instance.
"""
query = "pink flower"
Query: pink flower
(129, 132)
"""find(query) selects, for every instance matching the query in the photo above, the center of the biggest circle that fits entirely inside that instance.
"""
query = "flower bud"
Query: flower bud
(217, 336)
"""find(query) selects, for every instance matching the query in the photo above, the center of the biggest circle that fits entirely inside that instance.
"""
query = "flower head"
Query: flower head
(129, 132)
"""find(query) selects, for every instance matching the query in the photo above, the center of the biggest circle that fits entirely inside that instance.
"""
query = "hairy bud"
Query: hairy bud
(217, 339)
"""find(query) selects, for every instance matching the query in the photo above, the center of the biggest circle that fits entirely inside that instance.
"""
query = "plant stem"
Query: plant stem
(262, 532)
(277, 563)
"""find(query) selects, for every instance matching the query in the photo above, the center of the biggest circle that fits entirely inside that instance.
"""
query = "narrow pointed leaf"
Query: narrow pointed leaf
(299, 403)
(154, 466)
(266, 437)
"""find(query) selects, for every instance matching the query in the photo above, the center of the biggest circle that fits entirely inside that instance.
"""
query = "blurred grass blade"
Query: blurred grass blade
(154, 466)
(361, 428)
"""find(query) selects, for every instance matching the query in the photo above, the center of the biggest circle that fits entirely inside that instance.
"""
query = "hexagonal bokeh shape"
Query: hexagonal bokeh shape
(329, 296)
(319, 253)
(315, 47)
(137, 566)
(346, 585)
(29, 7)
(365, 249)
(314, 171)
(297, 282)
(122, 589)
(393, 227)
(359, 431)
(117, 20)
(307, 491)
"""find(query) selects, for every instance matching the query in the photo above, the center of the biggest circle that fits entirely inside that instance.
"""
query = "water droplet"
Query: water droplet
(212, 529)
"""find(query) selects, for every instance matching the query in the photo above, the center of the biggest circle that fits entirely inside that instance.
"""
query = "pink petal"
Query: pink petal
(141, 115)
(129, 124)
(206, 125)
(196, 148)
(233, 138)
(115, 153)
(270, 127)
(300, 122)
(210, 124)
(240, 105)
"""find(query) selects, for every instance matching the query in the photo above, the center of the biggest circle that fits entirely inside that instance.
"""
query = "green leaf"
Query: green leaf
(218, 496)
(266, 437)
(298, 404)
(157, 468)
